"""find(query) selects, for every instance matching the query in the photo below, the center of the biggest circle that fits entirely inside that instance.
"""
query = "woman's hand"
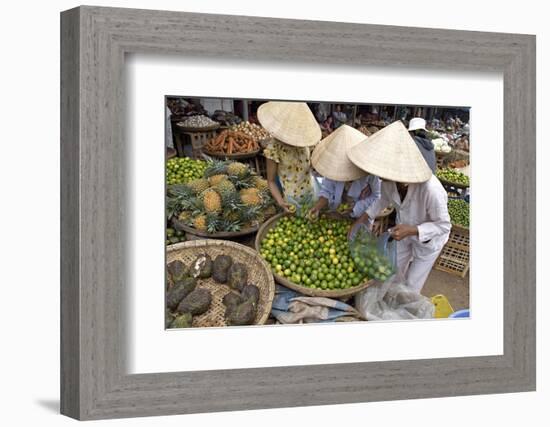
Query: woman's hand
(400, 231)
(285, 206)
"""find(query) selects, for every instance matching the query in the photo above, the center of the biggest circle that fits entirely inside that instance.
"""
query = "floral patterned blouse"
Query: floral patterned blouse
(293, 167)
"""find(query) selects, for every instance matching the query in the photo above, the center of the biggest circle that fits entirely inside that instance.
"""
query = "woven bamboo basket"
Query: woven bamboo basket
(193, 232)
(334, 293)
(455, 255)
(237, 156)
(259, 274)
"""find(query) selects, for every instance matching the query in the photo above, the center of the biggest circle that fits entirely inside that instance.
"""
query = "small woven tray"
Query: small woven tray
(337, 293)
(259, 274)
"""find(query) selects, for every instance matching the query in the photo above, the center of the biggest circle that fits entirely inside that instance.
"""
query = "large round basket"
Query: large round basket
(238, 156)
(259, 274)
(335, 293)
(203, 129)
(446, 183)
(198, 234)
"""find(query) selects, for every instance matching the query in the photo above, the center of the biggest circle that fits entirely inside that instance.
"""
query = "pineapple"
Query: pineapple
(217, 179)
(260, 183)
(215, 167)
(211, 201)
(251, 196)
(225, 188)
(184, 216)
(237, 169)
(198, 185)
(200, 222)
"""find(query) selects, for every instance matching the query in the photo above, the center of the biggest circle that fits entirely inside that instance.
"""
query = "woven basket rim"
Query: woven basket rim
(203, 129)
(266, 226)
(213, 236)
(250, 154)
(265, 308)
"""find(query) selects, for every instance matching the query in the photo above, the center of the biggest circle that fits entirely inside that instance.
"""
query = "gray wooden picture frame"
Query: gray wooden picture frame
(94, 41)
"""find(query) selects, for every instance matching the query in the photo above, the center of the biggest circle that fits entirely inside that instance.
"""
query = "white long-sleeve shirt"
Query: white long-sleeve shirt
(425, 206)
(333, 191)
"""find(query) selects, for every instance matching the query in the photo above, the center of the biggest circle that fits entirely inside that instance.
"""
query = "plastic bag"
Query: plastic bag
(393, 300)
(374, 257)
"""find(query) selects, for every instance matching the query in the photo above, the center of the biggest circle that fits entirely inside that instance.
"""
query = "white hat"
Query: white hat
(290, 122)
(417, 123)
(391, 154)
(330, 159)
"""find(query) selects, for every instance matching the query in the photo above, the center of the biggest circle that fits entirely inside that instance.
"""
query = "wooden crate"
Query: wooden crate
(455, 255)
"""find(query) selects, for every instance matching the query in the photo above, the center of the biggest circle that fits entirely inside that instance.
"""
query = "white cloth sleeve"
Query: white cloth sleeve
(441, 223)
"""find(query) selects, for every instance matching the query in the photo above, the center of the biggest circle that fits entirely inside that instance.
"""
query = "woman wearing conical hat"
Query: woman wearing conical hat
(422, 223)
(294, 130)
(343, 182)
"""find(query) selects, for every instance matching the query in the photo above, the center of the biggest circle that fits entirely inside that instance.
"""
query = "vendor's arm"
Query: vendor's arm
(361, 206)
(440, 223)
(321, 204)
(271, 169)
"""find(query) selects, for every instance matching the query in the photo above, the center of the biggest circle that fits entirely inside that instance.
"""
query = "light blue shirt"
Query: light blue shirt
(333, 191)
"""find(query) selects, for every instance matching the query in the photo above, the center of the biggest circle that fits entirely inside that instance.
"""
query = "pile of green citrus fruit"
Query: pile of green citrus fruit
(367, 257)
(453, 176)
(180, 170)
(312, 254)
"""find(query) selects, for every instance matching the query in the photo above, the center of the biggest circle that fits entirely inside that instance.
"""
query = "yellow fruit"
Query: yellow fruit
(236, 169)
(184, 216)
(198, 185)
(211, 200)
(225, 188)
(200, 222)
(251, 196)
(216, 179)
(260, 183)
(292, 208)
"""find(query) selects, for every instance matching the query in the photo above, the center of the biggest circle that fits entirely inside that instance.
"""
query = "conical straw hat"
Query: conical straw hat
(391, 154)
(290, 122)
(330, 155)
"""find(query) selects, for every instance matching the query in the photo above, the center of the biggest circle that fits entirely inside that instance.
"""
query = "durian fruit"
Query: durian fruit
(198, 185)
(211, 201)
(201, 267)
(237, 169)
(260, 183)
(184, 320)
(232, 299)
(237, 276)
(251, 196)
(200, 222)
(220, 268)
(180, 290)
(177, 270)
(216, 179)
(197, 302)
(225, 188)
(168, 318)
(251, 293)
(242, 314)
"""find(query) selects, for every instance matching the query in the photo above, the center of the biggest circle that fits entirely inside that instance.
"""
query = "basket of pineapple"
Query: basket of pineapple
(229, 200)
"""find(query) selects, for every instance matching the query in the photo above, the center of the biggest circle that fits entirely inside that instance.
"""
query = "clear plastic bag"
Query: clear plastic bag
(393, 300)
(373, 256)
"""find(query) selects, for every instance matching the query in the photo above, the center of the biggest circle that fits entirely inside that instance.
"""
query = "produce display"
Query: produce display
(368, 258)
(228, 197)
(199, 121)
(186, 299)
(459, 211)
(257, 132)
(231, 142)
(180, 170)
(453, 176)
(174, 236)
(312, 254)
(365, 130)
(226, 118)
(441, 145)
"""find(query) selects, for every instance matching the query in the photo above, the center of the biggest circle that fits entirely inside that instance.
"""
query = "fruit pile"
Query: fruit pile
(251, 129)
(368, 258)
(459, 211)
(229, 196)
(312, 254)
(185, 298)
(174, 236)
(198, 121)
(452, 176)
(180, 170)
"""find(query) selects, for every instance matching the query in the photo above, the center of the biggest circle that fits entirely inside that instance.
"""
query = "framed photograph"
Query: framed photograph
(262, 213)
